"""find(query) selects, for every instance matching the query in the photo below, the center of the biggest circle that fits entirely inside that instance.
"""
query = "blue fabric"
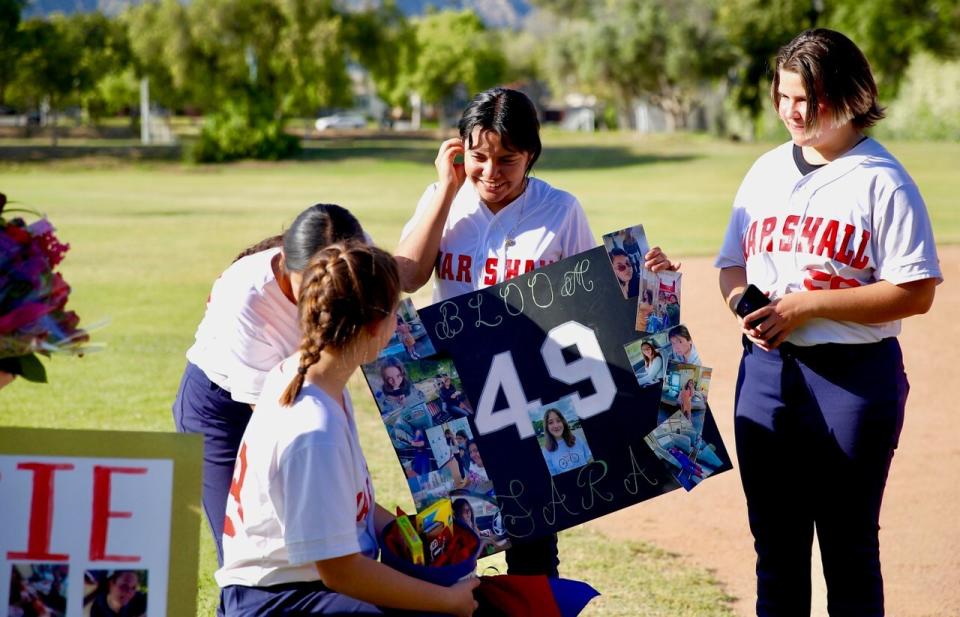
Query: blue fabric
(299, 599)
(203, 407)
(816, 428)
(291, 599)
(571, 596)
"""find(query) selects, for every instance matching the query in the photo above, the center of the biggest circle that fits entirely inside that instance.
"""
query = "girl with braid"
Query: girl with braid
(250, 325)
(300, 536)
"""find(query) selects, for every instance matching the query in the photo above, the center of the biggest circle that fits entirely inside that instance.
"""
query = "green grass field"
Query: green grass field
(148, 239)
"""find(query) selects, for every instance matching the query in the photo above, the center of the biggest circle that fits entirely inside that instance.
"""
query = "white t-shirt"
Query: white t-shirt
(565, 457)
(545, 225)
(304, 489)
(248, 328)
(855, 221)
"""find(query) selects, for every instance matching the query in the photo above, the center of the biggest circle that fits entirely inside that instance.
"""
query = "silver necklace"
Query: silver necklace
(511, 235)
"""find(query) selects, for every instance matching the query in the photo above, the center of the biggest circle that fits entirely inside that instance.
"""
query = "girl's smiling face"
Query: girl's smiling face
(555, 425)
(496, 172)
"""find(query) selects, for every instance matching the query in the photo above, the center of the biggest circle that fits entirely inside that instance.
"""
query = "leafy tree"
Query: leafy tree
(453, 49)
(384, 43)
(102, 51)
(46, 69)
(159, 38)
(661, 50)
(10, 41)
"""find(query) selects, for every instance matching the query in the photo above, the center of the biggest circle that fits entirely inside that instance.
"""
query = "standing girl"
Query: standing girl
(835, 231)
(485, 221)
(250, 325)
(302, 523)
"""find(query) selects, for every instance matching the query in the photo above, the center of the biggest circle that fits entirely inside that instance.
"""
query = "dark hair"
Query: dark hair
(680, 331)
(509, 114)
(460, 505)
(835, 72)
(656, 354)
(617, 252)
(315, 228)
(463, 433)
(345, 287)
(393, 361)
(267, 243)
(568, 437)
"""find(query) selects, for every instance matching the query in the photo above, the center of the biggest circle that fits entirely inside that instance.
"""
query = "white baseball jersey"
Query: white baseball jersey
(479, 248)
(301, 490)
(855, 221)
(248, 328)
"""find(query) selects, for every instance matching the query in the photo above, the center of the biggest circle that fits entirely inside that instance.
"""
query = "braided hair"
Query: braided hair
(318, 226)
(346, 286)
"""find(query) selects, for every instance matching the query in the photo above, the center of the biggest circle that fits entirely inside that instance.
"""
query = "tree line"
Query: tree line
(249, 65)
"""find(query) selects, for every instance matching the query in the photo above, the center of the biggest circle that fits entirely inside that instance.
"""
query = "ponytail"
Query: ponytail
(346, 286)
(315, 228)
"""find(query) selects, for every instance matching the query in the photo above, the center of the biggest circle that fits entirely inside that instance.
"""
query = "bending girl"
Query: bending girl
(302, 523)
(249, 326)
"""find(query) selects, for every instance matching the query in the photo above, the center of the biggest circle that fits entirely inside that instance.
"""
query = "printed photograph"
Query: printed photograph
(111, 593)
(681, 447)
(482, 515)
(658, 305)
(685, 388)
(398, 383)
(452, 446)
(430, 487)
(411, 339)
(682, 348)
(561, 437)
(449, 440)
(407, 429)
(646, 300)
(38, 589)
(648, 357)
(626, 249)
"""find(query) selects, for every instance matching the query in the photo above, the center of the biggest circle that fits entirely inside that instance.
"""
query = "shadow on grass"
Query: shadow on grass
(39, 153)
(558, 158)
(411, 149)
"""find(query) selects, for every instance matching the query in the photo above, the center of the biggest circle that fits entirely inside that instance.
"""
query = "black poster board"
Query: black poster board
(535, 339)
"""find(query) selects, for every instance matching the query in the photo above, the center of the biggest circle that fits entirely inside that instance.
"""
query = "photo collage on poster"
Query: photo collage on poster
(657, 293)
(41, 589)
(665, 357)
(425, 411)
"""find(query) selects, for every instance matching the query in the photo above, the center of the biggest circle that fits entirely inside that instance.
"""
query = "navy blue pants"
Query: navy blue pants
(205, 408)
(298, 599)
(816, 428)
(528, 557)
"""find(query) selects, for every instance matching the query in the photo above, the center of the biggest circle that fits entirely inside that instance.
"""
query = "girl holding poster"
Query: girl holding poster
(486, 220)
(832, 228)
(302, 527)
(249, 326)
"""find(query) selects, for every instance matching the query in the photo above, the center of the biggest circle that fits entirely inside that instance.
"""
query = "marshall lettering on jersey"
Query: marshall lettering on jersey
(454, 267)
(830, 238)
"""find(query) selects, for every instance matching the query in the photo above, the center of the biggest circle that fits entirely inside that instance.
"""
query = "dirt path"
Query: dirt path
(919, 537)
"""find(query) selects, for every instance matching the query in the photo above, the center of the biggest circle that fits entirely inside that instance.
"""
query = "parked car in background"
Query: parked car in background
(344, 120)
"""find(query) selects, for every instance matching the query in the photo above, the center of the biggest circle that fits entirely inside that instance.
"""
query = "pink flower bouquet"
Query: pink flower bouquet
(33, 318)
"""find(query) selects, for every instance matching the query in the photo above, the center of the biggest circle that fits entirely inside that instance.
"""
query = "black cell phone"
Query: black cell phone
(751, 300)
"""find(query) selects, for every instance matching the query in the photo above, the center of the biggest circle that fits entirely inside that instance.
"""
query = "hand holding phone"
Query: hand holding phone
(751, 300)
